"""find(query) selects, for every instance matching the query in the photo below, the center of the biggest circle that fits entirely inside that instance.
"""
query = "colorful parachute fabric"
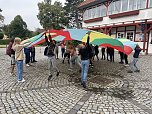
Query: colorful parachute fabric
(129, 46)
(96, 38)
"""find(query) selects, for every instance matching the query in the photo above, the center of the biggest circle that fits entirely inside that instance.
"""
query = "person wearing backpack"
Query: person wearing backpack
(11, 53)
(51, 56)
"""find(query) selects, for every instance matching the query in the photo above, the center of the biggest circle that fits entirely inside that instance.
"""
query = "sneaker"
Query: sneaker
(21, 80)
(49, 78)
(34, 61)
(130, 71)
(57, 73)
(84, 84)
(137, 70)
(70, 69)
(27, 65)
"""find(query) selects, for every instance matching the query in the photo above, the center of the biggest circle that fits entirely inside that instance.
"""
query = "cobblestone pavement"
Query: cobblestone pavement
(110, 89)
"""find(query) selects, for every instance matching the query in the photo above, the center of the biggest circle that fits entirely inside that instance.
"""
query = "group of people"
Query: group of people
(83, 57)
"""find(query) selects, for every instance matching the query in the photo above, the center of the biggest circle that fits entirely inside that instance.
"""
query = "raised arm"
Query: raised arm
(46, 39)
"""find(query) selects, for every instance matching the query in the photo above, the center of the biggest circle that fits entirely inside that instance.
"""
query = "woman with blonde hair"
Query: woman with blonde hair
(19, 57)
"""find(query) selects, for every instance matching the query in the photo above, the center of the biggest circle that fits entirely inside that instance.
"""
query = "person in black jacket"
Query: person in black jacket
(84, 53)
(133, 66)
(103, 53)
(96, 49)
(51, 57)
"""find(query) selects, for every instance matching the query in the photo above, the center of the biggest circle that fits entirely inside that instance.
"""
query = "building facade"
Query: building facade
(131, 19)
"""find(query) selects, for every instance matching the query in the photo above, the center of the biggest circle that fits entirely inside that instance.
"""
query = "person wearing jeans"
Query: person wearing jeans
(84, 72)
(19, 57)
(133, 66)
(19, 65)
(84, 53)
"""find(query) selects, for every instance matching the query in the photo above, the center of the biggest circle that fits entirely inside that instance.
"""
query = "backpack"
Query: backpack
(46, 51)
(9, 49)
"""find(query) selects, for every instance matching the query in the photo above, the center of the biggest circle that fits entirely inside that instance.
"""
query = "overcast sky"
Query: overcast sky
(28, 10)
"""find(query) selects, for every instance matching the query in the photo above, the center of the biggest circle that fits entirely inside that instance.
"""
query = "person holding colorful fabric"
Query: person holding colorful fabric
(19, 57)
(51, 57)
(84, 53)
(133, 64)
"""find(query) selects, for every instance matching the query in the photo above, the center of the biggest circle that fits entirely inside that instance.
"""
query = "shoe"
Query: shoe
(57, 73)
(49, 78)
(137, 70)
(21, 80)
(126, 65)
(70, 69)
(63, 61)
(34, 61)
(121, 63)
(84, 84)
(27, 65)
(130, 71)
(80, 71)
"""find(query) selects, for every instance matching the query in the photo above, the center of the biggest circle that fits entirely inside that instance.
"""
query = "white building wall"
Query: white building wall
(143, 14)
(150, 45)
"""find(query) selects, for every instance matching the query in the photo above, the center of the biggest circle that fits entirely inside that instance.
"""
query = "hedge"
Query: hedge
(4, 41)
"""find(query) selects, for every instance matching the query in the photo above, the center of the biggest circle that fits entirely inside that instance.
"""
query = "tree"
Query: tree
(17, 28)
(1, 34)
(1, 19)
(73, 13)
(51, 16)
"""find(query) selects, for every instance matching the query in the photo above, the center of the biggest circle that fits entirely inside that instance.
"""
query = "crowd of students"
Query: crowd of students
(83, 57)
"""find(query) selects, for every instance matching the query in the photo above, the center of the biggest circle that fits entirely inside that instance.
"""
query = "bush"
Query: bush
(4, 41)
(1, 35)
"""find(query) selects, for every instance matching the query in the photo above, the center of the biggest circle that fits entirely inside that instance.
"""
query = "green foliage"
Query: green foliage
(17, 28)
(4, 41)
(1, 34)
(51, 16)
(73, 13)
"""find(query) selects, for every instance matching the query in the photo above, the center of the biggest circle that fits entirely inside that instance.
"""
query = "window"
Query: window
(132, 5)
(111, 8)
(103, 10)
(117, 6)
(124, 5)
(141, 4)
(150, 5)
(130, 35)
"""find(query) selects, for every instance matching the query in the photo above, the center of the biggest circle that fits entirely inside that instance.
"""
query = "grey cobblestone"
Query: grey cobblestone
(115, 92)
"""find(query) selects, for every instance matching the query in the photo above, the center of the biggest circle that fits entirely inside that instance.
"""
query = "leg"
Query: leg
(53, 62)
(135, 64)
(19, 67)
(82, 70)
(126, 58)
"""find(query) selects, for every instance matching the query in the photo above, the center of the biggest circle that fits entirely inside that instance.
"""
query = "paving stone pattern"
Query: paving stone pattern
(110, 89)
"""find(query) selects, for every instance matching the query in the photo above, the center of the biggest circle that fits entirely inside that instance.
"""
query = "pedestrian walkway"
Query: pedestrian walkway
(110, 89)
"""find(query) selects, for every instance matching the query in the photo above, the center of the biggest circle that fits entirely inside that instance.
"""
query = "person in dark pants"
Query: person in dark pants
(27, 56)
(33, 54)
(96, 49)
(62, 49)
(103, 53)
(121, 57)
(91, 54)
(126, 59)
(111, 53)
(108, 53)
